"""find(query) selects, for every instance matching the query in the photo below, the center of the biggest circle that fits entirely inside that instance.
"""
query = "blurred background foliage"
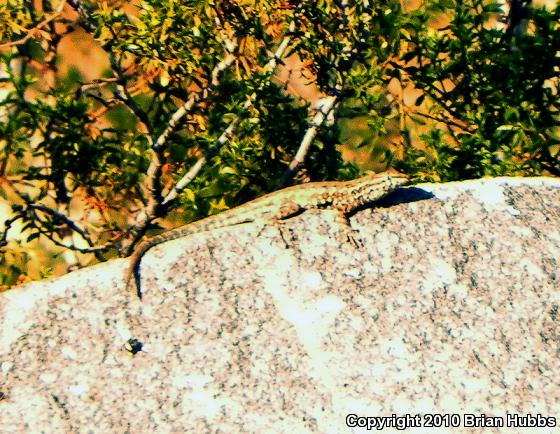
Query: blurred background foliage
(91, 95)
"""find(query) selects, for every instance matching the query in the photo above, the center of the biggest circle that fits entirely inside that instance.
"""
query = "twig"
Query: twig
(122, 94)
(72, 225)
(7, 225)
(87, 22)
(31, 32)
(95, 250)
(231, 48)
(442, 120)
(97, 83)
(405, 132)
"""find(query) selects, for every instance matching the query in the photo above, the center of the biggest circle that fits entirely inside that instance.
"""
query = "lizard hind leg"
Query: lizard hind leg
(276, 223)
(287, 209)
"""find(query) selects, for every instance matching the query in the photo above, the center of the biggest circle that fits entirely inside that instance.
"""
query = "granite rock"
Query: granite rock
(449, 307)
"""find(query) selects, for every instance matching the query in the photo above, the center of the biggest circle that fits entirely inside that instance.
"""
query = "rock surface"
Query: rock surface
(451, 306)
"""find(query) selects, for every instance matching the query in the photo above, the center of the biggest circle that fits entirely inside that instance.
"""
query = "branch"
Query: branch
(212, 150)
(274, 60)
(154, 170)
(122, 94)
(21, 215)
(95, 250)
(153, 181)
(157, 208)
(550, 162)
(94, 84)
(323, 109)
(88, 22)
(438, 95)
(443, 120)
(72, 225)
(31, 32)
(231, 48)
(7, 225)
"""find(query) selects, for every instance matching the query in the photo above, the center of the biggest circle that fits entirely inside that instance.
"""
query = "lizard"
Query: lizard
(342, 196)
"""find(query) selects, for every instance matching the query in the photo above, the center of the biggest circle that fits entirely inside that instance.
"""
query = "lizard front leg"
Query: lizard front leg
(342, 219)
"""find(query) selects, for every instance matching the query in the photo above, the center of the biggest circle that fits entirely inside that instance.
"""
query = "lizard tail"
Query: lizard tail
(133, 271)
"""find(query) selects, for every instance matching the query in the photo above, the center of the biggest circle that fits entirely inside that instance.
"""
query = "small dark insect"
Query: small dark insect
(133, 346)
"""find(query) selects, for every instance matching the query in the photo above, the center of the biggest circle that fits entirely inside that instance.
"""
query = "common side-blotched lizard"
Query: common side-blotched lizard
(343, 196)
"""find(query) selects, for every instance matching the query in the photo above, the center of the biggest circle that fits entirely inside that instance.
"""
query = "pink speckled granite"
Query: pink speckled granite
(451, 307)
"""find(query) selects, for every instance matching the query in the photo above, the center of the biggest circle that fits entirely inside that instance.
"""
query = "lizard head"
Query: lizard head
(374, 186)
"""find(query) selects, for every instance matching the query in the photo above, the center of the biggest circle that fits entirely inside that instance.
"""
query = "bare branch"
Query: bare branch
(197, 97)
(323, 109)
(95, 250)
(153, 179)
(274, 60)
(154, 171)
(224, 138)
(324, 106)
